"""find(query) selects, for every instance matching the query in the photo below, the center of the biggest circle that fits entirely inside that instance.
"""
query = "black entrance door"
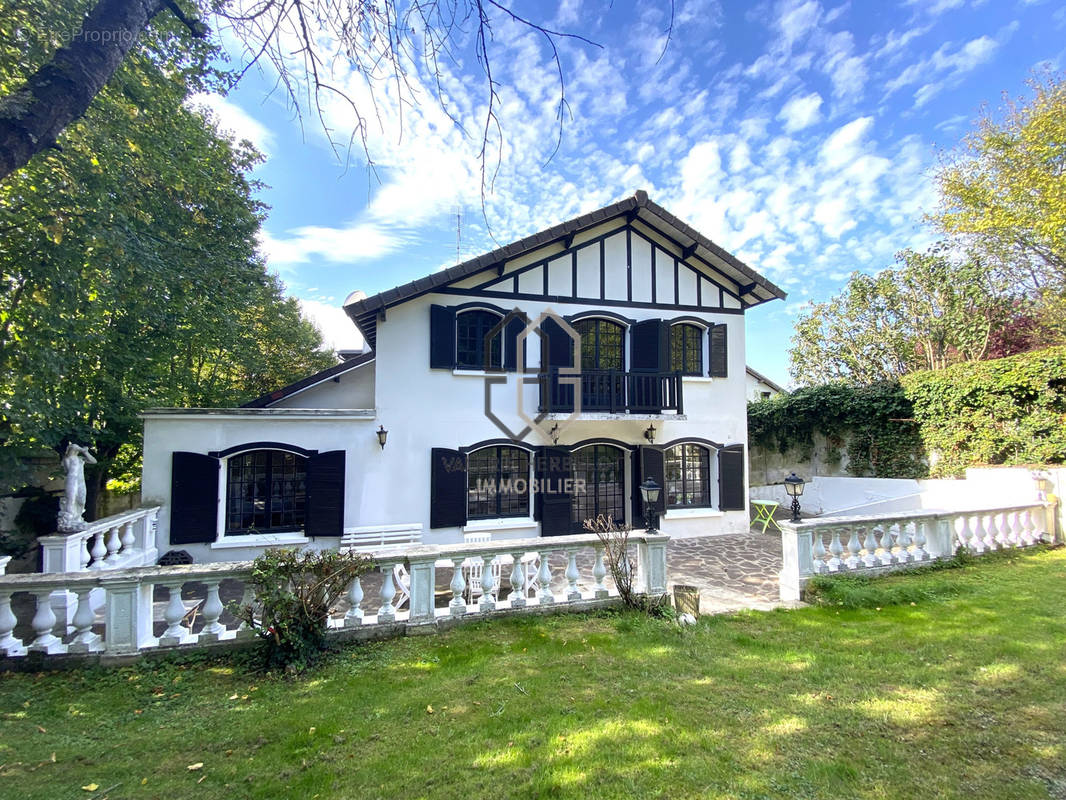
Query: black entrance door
(602, 468)
(603, 364)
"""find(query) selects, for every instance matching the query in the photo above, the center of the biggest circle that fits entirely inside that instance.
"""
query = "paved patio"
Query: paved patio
(732, 572)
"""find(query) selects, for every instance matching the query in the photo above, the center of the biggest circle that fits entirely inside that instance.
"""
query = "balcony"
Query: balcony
(612, 392)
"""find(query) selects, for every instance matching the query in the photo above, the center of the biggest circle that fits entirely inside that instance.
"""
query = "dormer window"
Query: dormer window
(475, 346)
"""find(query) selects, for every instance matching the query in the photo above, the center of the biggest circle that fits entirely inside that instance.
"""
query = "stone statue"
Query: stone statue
(72, 506)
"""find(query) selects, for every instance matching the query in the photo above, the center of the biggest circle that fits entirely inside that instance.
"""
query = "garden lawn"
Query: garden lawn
(957, 697)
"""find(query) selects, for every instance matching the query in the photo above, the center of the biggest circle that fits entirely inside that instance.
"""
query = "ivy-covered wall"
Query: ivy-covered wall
(864, 431)
(1007, 411)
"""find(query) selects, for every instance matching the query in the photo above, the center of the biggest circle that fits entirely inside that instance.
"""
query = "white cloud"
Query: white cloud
(337, 329)
(355, 242)
(801, 111)
(234, 121)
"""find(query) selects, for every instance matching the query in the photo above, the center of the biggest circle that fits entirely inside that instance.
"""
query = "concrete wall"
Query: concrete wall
(769, 466)
(982, 488)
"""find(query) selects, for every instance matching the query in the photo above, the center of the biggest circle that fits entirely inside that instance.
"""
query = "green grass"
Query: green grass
(957, 696)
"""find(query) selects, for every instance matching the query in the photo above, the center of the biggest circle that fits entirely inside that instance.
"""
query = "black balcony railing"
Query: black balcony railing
(612, 391)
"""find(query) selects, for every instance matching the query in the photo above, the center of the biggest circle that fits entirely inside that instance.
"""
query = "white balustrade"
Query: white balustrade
(114, 612)
(120, 541)
(876, 543)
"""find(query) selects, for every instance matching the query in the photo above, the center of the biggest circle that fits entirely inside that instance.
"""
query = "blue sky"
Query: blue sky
(799, 135)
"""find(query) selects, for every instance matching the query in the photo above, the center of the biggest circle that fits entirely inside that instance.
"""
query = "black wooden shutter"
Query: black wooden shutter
(731, 478)
(441, 337)
(553, 501)
(514, 326)
(557, 350)
(717, 339)
(651, 466)
(650, 340)
(193, 498)
(325, 494)
(646, 337)
(637, 472)
(447, 488)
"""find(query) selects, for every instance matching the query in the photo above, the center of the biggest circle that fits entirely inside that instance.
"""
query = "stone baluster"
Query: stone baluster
(84, 556)
(244, 630)
(213, 630)
(836, 550)
(965, 533)
(9, 644)
(903, 540)
(457, 606)
(1014, 528)
(887, 557)
(517, 597)
(977, 540)
(174, 613)
(354, 615)
(573, 594)
(85, 641)
(870, 545)
(920, 538)
(992, 532)
(488, 585)
(114, 543)
(387, 612)
(127, 539)
(599, 572)
(854, 548)
(818, 552)
(99, 550)
(544, 580)
(44, 620)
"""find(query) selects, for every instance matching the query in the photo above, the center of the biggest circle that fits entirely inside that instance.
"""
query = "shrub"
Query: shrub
(295, 591)
(623, 569)
(36, 517)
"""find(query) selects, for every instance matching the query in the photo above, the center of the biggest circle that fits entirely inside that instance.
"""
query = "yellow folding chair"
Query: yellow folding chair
(764, 513)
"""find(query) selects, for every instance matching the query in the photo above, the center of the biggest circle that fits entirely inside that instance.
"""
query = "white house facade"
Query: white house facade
(760, 387)
(516, 395)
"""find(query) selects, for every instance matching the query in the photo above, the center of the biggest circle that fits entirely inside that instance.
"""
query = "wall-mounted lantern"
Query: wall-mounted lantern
(382, 436)
(649, 434)
(794, 486)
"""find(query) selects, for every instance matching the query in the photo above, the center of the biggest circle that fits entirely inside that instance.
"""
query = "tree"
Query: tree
(930, 311)
(128, 269)
(1004, 195)
(304, 40)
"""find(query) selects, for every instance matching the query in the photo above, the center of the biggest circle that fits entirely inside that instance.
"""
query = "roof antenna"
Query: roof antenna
(458, 231)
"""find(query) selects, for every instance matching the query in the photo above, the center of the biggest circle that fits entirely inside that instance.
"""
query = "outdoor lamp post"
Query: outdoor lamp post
(794, 487)
(649, 493)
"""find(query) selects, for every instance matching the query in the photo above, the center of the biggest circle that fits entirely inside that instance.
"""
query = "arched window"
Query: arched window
(601, 473)
(497, 483)
(686, 349)
(687, 470)
(266, 490)
(473, 347)
(603, 344)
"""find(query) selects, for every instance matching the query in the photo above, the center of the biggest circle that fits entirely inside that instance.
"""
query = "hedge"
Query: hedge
(1007, 411)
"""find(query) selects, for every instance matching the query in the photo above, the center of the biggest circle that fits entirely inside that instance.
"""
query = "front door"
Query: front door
(602, 468)
(603, 364)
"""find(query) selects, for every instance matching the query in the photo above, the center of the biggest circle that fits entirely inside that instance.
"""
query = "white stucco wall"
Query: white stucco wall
(351, 389)
(423, 408)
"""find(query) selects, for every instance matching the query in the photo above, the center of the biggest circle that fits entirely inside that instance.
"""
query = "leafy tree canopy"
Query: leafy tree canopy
(1004, 194)
(932, 310)
(128, 269)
